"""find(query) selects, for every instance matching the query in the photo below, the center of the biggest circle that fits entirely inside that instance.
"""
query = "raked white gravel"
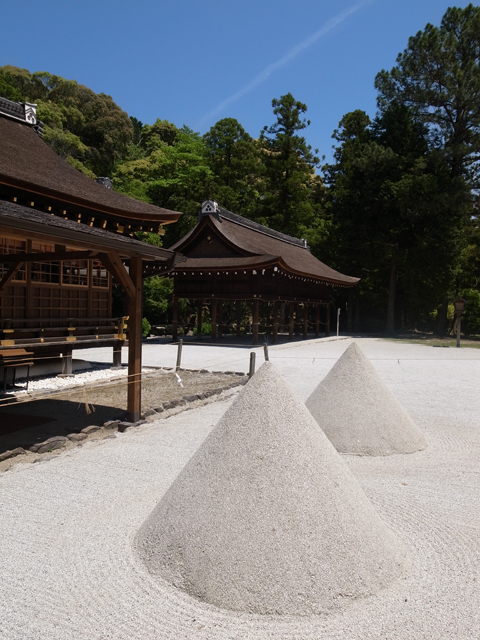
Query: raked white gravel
(67, 567)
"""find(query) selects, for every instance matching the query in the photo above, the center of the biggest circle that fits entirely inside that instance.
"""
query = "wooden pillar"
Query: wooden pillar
(134, 393)
(66, 362)
(175, 319)
(317, 320)
(199, 318)
(291, 307)
(268, 319)
(305, 320)
(275, 322)
(238, 310)
(327, 320)
(220, 317)
(213, 317)
(117, 355)
(256, 307)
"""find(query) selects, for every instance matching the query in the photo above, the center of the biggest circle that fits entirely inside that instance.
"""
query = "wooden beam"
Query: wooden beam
(134, 393)
(116, 267)
(8, 277)
(48, 256)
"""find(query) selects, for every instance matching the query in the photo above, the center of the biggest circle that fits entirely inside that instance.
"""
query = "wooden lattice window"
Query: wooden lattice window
(9, 246)
(100, 275)
(75, 272)
(48, 272)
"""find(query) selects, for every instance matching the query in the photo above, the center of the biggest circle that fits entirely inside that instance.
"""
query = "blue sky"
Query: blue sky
(196, 61)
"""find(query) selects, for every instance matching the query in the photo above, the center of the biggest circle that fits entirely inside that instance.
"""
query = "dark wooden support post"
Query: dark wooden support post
(268, 318)
(199, 318)
(134, 393)
(305, 320)
(175, 319)
(297, 319)
(213, 316)
(317, 320)
(327, 320)
(238, 309)
(117, 355)
(275, 322)
(291, 314)
(220, 317)
(256, 307)
(67, 369)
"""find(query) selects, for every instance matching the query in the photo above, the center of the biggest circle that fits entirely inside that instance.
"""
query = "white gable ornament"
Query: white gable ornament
(209, 206)
(30, 113)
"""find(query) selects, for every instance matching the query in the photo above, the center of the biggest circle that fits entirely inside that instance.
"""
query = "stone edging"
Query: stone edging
(108, 429)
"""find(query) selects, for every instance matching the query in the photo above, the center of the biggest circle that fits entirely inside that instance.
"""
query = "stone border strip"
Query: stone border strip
(42, 451)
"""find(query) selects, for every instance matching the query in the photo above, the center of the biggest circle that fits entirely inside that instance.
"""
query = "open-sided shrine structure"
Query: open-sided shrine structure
(63, 237)
(230, 258)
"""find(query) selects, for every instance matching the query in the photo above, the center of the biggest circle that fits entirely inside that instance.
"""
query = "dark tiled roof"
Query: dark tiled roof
(249, 240)
(26, 162)
(16, 216)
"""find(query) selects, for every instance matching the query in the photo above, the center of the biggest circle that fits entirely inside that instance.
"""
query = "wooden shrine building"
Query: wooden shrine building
(231, 258)
(63, 237)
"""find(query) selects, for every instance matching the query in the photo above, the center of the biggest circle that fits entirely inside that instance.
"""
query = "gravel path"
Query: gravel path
(67, 525)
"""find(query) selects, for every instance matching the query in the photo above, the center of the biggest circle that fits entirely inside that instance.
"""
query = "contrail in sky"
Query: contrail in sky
(293, 53)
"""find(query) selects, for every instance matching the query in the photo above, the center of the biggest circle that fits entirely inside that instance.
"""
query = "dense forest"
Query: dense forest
(397, 206)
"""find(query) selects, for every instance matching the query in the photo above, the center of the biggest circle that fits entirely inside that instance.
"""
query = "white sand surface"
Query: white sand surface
(67, 566)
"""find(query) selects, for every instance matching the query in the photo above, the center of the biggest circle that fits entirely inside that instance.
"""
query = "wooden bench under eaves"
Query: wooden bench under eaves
(54, 337)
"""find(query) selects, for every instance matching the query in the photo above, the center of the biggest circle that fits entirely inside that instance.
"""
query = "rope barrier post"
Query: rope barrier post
(179, 354)
(265, 350)
(251, 371)
(338, 322)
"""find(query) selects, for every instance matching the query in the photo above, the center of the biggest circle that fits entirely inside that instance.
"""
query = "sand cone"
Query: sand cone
(359, 414)
(266, 518)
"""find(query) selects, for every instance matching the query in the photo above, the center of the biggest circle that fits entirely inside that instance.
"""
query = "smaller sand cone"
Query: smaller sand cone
(359, 414)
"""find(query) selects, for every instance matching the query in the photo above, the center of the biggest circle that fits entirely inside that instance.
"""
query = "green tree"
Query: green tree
(390, 223)
(234, 159)
(290, 180)
(438, 77)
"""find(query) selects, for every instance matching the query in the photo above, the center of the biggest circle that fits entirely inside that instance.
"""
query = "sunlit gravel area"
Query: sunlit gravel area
(67, 563)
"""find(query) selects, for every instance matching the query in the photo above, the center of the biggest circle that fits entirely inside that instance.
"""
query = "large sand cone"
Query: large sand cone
(266, 518)
(359, 414)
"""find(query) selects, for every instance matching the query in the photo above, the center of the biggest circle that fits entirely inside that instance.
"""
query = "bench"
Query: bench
(13, 358)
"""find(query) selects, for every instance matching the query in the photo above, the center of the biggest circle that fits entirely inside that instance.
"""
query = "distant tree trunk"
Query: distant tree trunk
(390, 328)
(441, 327)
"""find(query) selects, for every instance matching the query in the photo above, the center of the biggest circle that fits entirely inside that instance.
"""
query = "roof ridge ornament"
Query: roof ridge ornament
(30, 112)
(209, 207)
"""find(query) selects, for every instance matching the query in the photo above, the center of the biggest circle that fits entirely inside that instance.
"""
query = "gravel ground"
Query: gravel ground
(67, 524)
